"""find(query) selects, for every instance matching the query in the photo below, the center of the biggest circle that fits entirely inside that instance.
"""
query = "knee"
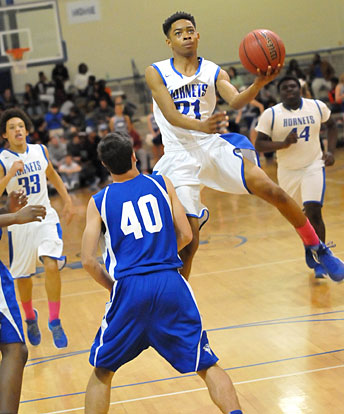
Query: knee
(16, 352)
(50, 265)
(103, 375)
(23, 354)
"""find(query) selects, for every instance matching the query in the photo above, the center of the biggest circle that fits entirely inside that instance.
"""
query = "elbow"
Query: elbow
(87, 263)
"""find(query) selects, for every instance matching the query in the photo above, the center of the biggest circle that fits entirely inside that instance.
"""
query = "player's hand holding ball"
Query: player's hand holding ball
(262, 53)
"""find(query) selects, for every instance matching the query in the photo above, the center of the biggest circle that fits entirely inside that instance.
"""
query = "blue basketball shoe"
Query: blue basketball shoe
(33, 333)
(320, 272)
(59, 337)
(321, 254)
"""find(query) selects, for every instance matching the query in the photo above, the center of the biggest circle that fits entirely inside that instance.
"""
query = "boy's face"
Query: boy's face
(16, 132)
(183, 38)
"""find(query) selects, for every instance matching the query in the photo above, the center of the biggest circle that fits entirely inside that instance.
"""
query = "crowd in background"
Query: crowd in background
(70, 116)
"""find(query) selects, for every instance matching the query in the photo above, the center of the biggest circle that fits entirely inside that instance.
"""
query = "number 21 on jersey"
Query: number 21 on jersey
(130, 223)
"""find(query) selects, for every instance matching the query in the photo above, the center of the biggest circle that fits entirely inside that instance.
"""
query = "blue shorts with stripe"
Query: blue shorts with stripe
(157, 310)
(11, 328)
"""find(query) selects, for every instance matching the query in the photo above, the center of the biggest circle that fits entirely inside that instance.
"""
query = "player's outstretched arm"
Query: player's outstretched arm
(57, 182)
(332, 135)
(89, 247)
(181, 223)
(174, 117)
(238, 100)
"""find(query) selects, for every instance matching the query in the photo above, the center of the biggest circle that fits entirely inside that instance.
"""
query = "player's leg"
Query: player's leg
(53, 289)
(262, 186)
(221, 389)
(98, 392)
(14, 357)
(31, 315)
(188, 252)
(313, 212)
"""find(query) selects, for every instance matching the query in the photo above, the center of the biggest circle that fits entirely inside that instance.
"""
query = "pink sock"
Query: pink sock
(54, 310)
(308, 234)
(28, 309)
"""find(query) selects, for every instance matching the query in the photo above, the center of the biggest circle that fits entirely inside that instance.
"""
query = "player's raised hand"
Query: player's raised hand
(30, 213)
(16, 166)
(215, 123)
(16, 200)
(290, 139)
(263, 79)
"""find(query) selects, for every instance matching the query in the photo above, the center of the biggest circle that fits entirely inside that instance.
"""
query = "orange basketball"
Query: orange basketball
(261, 48)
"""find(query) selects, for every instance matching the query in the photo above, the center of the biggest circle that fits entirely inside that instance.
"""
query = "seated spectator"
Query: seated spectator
(122, 123)
(102, 92)
(103, 130)
(40, 134)
(70, 172)
(320, 73)
(236, 80)
(157, 147)
(60, 73)
(57, 148)
(60, 95)
(294, 69)
(339, 92)
(31, 102)
(8, 100)
(80, 81)
(45, 90)
(68, 104)
(100, 172)
(75, 118)
(54, 120)
(103, 113)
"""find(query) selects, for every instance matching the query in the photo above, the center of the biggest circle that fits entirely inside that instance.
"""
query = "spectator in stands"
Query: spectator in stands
(320, 73)
(70, 172)
(75, 118)
(339, 92)
(32, 104)
(54, 120)
(122, 123)
(80, 81)
(45, 90)
(60, 95)
(57, 148)
(91, 143)
(60, 72)
(157, 147)
(103, 130)
(294, 69)
(40, 134)
(102, 92)
(236, 80)
(8, 100)
(103, 113)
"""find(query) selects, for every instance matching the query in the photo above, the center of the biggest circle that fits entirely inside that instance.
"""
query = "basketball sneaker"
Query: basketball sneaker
(59, 337)
(33, 333)
(321, 254)
(320, 272)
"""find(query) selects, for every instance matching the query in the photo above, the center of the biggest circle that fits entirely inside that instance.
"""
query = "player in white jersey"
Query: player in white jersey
(183, 90)
(26, 166)
(12, 343)
(151, 304)
(292, 129)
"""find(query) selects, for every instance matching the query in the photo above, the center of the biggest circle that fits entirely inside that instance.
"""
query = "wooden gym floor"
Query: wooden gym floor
(278, 332)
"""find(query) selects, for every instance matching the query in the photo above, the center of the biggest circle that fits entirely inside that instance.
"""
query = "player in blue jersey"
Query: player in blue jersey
(12, 342)
(292, 129)
(27, 166)
(184, 98)
(144, 226)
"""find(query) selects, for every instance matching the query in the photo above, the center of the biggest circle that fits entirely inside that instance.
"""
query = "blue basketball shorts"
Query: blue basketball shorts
(11, 328)
(157, 310)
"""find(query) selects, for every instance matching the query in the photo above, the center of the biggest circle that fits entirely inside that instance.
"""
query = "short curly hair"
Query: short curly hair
(166, 27)
(14, 113)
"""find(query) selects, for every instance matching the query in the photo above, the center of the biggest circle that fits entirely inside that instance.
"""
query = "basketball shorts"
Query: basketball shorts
(304, 185)
(11, 328)
(29, 242)
(157, 310)
(216, 163)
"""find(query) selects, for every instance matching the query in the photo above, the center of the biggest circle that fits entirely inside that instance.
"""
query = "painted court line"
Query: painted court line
(204, 388)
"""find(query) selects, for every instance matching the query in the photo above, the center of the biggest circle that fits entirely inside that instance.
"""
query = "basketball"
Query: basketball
(261, 48)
